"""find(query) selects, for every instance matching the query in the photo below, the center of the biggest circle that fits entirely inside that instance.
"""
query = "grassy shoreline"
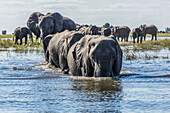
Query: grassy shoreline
(149, 45)
(159, 35)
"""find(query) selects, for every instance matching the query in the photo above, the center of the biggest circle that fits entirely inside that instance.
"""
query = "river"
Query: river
(28, 85)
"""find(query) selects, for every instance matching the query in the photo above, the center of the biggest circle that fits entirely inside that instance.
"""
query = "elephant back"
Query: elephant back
(58, 19)
(68, 24)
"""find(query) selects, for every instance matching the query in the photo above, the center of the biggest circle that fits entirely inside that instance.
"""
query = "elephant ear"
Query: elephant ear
(58, 22)
(118, 61)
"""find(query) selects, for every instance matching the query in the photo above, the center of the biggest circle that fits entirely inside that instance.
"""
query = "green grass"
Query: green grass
(155, 44)
(9, 43)
(148, 44)
(10, 36)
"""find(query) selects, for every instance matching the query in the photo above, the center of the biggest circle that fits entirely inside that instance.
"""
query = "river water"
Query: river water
(28, 85)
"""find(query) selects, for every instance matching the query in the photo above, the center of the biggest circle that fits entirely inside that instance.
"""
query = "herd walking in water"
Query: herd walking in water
(84, 50)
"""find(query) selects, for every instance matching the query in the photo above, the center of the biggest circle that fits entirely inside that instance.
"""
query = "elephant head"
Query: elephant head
(93, 30)
(106, 31)
(50, 24)
(98, 56)
(33, 21)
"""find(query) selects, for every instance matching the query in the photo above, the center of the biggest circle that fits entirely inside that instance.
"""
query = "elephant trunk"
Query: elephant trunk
(103, 69)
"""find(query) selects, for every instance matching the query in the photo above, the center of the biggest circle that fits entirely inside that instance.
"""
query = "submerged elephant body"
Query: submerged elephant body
(59, 46)
(97, 56)
(20, 33)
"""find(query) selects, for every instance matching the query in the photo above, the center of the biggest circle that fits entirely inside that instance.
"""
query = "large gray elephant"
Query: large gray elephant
(106, 31)
(59, 46)
(137, 33)
(33, 21)
(20, 33)
(149, 29)
(121, 31)
(95, 56)
(50, 24)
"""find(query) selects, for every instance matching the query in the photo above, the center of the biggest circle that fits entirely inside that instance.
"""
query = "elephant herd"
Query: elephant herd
(84, 50)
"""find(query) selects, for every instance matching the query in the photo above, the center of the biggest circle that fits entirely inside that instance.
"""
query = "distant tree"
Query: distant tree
(106, 25)
(161, 31)
(4, 32)
(167, 30)
(111, 26)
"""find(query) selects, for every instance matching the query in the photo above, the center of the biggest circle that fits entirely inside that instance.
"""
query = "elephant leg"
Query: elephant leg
(138, 39)
(16, 40)
(63, 64)
(152, 37)
(25, 40)
(155, 36)
(20, 41)
(134, 40)
(145, 37)
(31, 38)
(126, 39)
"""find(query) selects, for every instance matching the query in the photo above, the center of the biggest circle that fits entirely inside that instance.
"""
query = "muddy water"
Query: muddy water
(28, 85)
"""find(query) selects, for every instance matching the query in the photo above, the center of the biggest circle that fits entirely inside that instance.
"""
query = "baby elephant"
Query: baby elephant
(59, 46)
(137, 33)
(95, 56)
(20, 33)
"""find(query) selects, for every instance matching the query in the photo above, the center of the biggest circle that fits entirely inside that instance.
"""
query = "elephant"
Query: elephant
(46, 43)
(106, 31)
(51, 23)
(89, 30)
(68, 24)
(33, 21)
(95, 56)
(149, 29)
(121, 31)
(137, 33)
(20, 33)
(59, 46)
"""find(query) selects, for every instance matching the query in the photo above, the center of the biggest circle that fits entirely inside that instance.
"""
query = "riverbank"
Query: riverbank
(159, 35)
(7, 43)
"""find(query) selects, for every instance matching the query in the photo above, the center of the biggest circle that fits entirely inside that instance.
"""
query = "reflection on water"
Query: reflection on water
(27, 84)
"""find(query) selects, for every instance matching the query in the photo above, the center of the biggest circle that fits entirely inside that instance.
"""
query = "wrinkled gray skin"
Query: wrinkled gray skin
(137, 33)
(33, 21)
(50, 24)
(150, 29)
(59, 46)
(68, 24)
(20, 33)
(46, 43)
(106, 31)
(89, 30)
(121, 31)
(95, 56)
